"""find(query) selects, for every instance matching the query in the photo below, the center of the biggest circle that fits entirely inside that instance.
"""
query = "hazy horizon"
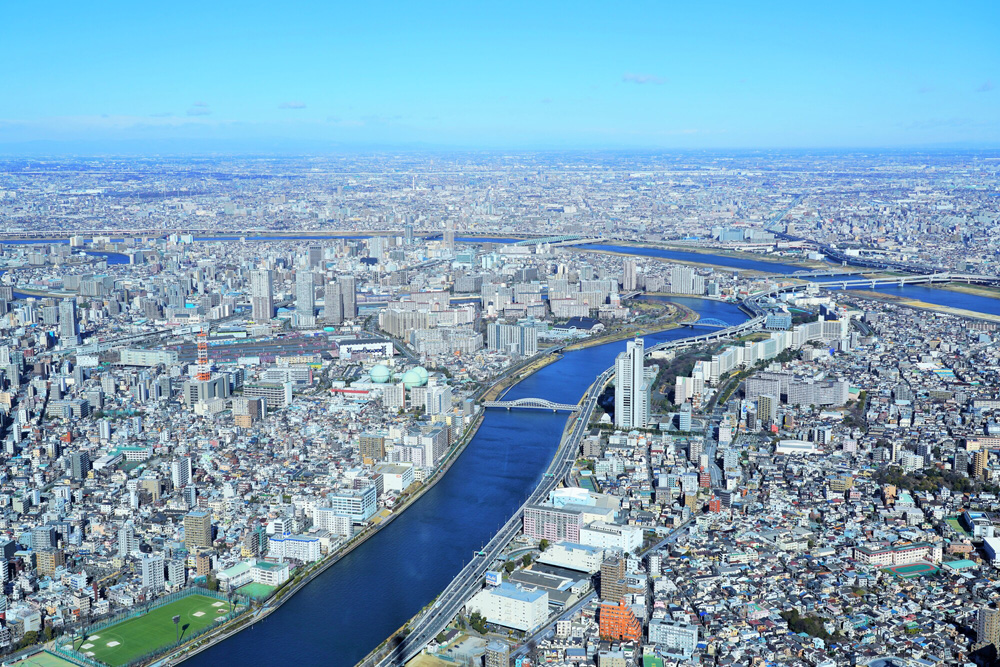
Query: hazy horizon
(259, 78)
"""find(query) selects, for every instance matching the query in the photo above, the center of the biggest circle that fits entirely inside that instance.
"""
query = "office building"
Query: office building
(79, 464)
(69, 325)
(197, 530)
(315, 256)
(632, 387)
(262, 294)
(359, 504)
(684, 418)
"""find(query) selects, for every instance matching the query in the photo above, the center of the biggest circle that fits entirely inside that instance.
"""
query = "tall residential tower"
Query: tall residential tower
(632, 387)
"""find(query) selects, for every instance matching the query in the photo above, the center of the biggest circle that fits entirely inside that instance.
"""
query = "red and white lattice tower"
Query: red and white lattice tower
(204, 371)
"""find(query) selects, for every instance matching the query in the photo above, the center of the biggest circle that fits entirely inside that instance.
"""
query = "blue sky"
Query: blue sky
(502, 75)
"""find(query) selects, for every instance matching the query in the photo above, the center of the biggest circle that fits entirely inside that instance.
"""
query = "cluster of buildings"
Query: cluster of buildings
(786, 530)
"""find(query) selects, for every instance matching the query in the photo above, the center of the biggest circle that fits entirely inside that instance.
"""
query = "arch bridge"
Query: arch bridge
(709, 322)
(532, 404)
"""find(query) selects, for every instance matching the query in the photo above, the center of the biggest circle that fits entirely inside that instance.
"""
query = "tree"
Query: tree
(526, 560)
(543, 545)
(477, 622)
(509, 566)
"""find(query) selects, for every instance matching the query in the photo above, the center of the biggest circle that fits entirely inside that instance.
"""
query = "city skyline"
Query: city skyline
(233, 78)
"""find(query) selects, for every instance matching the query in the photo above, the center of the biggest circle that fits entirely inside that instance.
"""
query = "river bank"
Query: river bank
(703, 265)
(498, 389)
(974, 290)
(725, 252)
(923, 305)
(248, 619)
(381, 584)
(252, 618)
(681, 315)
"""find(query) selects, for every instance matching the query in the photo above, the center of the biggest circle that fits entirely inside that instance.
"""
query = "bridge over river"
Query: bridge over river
(532, 404)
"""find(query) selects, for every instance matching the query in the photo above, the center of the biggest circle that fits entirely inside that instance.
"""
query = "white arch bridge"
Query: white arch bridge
(532, 404)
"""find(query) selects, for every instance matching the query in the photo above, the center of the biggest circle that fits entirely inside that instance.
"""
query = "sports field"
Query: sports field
(912, 570)
(256, 591)
(43, 659)
(128, 640)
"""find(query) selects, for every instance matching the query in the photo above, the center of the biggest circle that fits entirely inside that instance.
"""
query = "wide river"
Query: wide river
(353, 606)
(349, 609)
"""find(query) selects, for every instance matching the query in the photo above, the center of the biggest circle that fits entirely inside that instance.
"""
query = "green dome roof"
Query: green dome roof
(380, 374)
(412, 379)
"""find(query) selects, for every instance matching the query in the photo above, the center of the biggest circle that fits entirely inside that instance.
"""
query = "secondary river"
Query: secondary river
(981, 304)
(941, 297)
(353, 606)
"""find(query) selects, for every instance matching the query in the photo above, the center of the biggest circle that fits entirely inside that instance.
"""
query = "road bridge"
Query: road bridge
(532, 404)
(435, 618)
(820, 273)
(927, 278)
(707, 322)
(427, 624)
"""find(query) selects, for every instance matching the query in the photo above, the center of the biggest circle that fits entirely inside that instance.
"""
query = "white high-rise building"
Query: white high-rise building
(438, 401)
(69, 325)
(127, 541)
(631, 387)
(262, 294)
(349, 296)
(512, 339)
(152, 572)
(341, 300)
(180, 472)
(305, 298)
(630, 280)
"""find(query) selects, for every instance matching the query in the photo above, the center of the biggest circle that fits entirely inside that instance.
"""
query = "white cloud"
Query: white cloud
(630, 77)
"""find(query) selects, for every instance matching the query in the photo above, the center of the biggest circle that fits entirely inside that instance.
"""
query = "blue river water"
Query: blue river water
(941, 297)
(703, 258)
(352, 607)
